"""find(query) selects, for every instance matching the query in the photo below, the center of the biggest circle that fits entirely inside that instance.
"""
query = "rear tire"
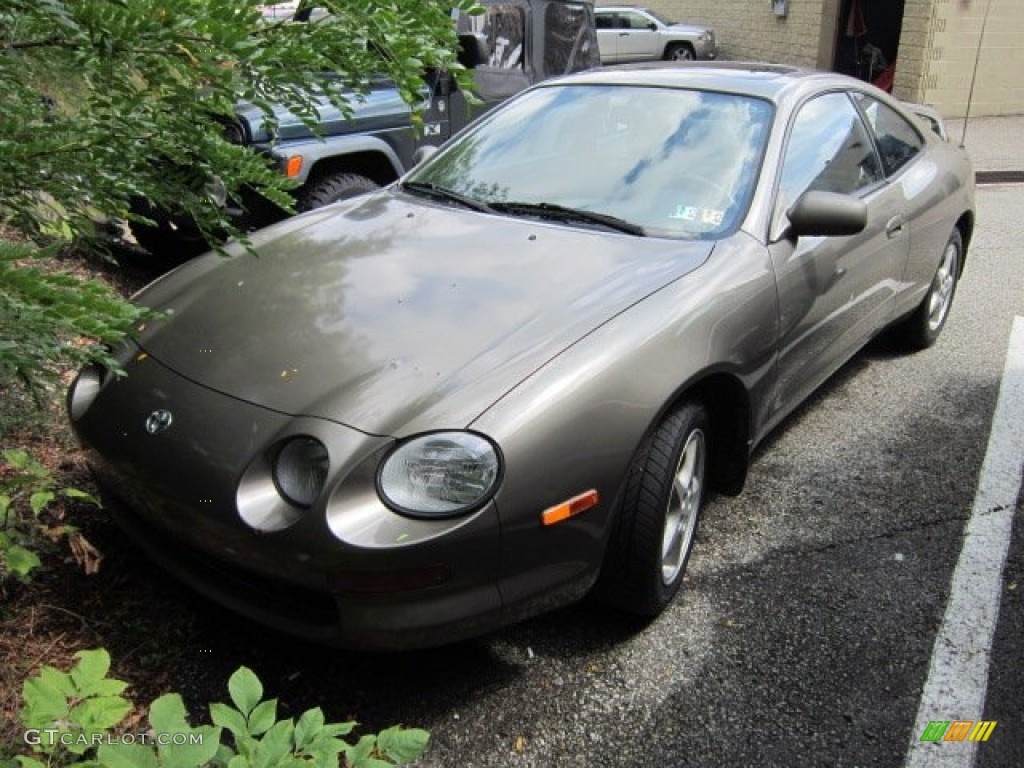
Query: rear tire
(656, 525)
(679, 52)
(921, 329)
(331, 188)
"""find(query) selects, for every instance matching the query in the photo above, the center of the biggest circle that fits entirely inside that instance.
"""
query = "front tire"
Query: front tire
(170, 242)
(332, 187)
(679, 52)
(656, 525)
(921, 329)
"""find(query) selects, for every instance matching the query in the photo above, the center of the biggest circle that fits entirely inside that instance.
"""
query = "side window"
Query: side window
(898, 140)
(829, 149)
(604, 21)
(635, 21)
(569, 43)
(504, 26)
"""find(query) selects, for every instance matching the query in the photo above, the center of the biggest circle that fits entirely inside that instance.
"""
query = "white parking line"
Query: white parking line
(958, 676)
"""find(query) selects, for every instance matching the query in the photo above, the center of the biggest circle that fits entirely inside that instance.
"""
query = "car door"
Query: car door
(607, 24)
(636, 38)
(901, 147)
(834, 292)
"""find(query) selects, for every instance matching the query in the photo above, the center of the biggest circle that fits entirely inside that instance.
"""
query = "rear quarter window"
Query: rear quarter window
(897, 139)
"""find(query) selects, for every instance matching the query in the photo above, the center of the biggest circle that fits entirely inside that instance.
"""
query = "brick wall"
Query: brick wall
(940, 47)
(937, 50)
(748, 30)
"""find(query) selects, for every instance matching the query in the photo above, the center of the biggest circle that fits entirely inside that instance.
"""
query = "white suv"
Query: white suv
(629, 33)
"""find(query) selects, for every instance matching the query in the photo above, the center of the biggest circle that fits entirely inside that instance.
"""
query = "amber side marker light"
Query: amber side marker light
(570, 508)
(293, 166)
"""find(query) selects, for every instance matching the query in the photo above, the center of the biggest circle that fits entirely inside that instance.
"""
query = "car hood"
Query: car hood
(381, 108)
(390, 315)
(691, 29)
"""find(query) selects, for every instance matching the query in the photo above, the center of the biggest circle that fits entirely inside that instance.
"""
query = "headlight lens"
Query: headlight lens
(440, 475)
(84, 390)
(300, 470)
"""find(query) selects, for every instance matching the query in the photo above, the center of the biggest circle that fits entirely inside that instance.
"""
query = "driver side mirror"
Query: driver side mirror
(818, 214)
(653, 27)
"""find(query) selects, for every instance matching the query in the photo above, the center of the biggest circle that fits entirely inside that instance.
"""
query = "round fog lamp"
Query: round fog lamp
(300, 470)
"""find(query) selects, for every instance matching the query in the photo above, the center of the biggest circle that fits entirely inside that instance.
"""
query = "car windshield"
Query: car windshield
(665, 162)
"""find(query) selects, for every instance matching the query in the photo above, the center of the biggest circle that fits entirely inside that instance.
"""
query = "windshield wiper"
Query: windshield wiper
(564, 213)
(431, 189)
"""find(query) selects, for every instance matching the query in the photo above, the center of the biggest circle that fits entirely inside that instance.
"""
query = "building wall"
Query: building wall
(938, 45)
(747, 29)
(939, 50)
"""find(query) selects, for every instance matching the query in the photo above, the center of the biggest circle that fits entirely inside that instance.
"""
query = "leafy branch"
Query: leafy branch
(73, 718)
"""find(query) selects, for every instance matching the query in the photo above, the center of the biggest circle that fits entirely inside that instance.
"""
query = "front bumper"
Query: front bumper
(349, 572)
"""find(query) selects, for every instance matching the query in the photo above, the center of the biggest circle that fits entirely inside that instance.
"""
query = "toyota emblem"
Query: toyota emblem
(158, 421)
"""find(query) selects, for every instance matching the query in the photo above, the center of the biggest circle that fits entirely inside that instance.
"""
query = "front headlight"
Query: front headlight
(440, 474)
(84, 389)
(300, 470)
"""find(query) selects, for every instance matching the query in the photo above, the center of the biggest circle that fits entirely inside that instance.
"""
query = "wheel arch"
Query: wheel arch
(371, 164)
(678, 44)
(727, 403)
(966, 226)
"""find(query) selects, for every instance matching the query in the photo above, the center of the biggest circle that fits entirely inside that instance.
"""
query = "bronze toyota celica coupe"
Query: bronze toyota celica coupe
(511, 378)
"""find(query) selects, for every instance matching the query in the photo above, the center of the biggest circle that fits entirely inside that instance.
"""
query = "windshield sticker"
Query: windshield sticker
(711, 216)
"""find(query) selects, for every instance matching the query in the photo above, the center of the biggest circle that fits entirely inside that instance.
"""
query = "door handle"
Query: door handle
(894, 226)
(623, 34)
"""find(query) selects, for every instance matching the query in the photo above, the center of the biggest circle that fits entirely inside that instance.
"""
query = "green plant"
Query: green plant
(49, 317)
(109, 101)
(71, 718)
(106, 102)
(27, 489)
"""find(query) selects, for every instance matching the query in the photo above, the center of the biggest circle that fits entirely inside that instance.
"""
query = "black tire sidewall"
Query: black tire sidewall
(673, 48)
(332, 188)
(631, 577)
(917, 332)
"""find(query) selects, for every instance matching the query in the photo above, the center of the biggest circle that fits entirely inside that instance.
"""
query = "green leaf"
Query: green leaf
(403, 745)
(167, 714)
(46, 698)
(100, 712)
(262, 717)
(309, 727)
(245, 689)
(93, 665)
(39, 501)
(339, 729)
(20, 561)
(276, 745)
(356, 754)
(230, 718)
(202, 745)
(76, 493)
(120, 755)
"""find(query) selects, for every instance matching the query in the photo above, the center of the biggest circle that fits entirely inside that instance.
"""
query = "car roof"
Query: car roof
(768, 81)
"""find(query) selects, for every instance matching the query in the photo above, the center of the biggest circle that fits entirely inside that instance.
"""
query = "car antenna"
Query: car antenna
(974, 75)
